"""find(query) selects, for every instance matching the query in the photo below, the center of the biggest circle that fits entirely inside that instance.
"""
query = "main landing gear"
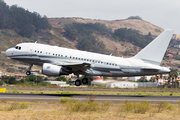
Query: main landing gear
(84, 81)
(29, 70)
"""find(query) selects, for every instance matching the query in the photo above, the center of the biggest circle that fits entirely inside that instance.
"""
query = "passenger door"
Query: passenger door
(30, 50)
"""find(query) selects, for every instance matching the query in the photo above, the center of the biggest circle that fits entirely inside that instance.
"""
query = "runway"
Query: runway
(83, 97)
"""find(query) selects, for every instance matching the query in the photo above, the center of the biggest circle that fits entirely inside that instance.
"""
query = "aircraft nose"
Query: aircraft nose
(9, 52)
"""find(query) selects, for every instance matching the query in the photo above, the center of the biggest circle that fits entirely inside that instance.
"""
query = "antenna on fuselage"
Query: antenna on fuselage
(111, 54)
(36, 42)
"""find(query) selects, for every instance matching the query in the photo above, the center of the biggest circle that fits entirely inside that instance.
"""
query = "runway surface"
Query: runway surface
(83, 97)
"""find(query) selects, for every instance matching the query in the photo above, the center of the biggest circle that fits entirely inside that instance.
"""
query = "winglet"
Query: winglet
(154, 51)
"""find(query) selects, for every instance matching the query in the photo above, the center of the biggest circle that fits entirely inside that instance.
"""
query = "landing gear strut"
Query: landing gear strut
(29, 70)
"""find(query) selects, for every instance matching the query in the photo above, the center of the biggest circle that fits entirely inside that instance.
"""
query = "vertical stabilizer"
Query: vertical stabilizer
(154, 51)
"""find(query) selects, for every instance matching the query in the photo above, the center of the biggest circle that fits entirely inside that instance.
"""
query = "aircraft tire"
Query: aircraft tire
(28, 73)
(77, 82)
(85, 80)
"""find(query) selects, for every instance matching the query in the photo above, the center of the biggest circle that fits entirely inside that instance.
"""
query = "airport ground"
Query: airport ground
(95, 91)
(88, 104)
(70, 109)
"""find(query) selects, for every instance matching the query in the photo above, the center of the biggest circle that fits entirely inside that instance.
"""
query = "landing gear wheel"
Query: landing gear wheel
(85, 80)
(77, 82)
(28, 73)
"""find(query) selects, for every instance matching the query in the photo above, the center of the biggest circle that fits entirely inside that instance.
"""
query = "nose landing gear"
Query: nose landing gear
(29, 70)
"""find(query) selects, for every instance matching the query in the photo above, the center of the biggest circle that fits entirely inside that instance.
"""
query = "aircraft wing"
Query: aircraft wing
(83, 64)
(80, 66)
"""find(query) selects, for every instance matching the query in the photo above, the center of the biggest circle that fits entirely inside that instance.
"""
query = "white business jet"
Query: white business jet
(56, 61)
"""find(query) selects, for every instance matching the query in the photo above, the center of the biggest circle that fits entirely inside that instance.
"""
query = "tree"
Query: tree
(62, 78)
(1, 83)
(135, 17)
(83, 34)
(22, 21)
(132, 36)
(149, 34)
(12, 80)
(152, 79)
(175, 77)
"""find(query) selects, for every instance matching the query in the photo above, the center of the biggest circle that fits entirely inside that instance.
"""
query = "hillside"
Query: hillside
(143, 26)
(56, 36)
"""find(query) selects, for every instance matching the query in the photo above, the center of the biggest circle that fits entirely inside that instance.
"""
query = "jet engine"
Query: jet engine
(53, 70)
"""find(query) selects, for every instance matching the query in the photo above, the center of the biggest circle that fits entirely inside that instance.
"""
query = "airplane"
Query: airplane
(56, 61)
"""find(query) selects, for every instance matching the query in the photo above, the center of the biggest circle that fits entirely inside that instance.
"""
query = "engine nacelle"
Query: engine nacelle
(53, 70)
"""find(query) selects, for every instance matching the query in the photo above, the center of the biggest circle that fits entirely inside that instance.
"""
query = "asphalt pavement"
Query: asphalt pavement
(83, 97)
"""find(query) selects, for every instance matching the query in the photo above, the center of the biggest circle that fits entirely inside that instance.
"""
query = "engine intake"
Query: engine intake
(53, 70)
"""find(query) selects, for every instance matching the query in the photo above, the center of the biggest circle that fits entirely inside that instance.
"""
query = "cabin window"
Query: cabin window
(113, 64)
(38, 51)
(41, 52)
(61, 55)
(101, 62)
(81, 58)
(87, 59)
(93, 60)
(19, 48)
(66, 56)
(53, 53)
(35, 51)
(84, 59)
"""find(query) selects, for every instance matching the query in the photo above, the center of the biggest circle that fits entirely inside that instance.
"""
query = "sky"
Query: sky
(162, 13)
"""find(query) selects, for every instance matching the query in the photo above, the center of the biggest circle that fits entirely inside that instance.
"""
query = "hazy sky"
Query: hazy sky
(163, 13)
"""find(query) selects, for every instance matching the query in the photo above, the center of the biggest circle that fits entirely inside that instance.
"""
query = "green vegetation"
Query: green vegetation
(1, 83)
(62, 78)
(21, 20)
(83, 34)
(135, 17)
(87, 110)
(31, 80)
(88, 106)
(132, 36)
(14, 106)
(64, 99)
(141, 107)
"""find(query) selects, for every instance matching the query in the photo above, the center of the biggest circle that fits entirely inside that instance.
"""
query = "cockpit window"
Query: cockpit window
(17, 47)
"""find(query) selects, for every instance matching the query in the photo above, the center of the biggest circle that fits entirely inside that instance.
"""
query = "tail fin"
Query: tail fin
(154, 51)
